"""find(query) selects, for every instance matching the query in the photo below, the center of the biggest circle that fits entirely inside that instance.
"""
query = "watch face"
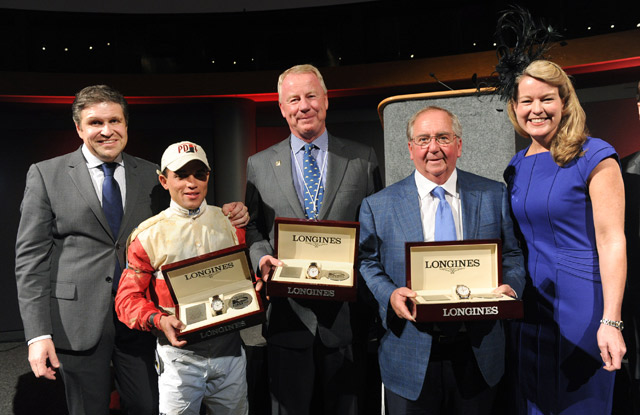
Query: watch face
(463, 291)
(217, 305)
(313, 271)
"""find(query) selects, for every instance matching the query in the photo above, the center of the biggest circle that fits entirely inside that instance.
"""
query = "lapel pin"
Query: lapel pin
(277, 162)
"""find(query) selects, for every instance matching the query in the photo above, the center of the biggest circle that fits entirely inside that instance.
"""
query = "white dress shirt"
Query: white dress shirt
(97, 175)
(429, 204)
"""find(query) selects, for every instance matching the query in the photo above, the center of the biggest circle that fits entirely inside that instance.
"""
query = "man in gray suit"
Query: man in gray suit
(443, 368)
(309, 342)
(630, 304)
(69, 256)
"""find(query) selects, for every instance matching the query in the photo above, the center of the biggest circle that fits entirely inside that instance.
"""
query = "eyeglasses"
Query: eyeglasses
(441, 139)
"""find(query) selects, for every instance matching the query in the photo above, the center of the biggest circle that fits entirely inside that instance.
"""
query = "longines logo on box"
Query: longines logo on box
(452, 265)
(208, 272)
(469, 311)
(214, 331)
(311, 291)
(317, 241)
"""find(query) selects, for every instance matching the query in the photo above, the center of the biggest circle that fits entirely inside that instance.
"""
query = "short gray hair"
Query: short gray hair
(306, 68)
(455, 122)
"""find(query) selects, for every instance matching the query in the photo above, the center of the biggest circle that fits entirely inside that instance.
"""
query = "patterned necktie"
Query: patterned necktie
(445, 225)
(313, 190)
(112, 207)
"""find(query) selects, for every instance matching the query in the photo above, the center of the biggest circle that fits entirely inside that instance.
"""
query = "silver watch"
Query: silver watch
(217, 305)
(463, 292)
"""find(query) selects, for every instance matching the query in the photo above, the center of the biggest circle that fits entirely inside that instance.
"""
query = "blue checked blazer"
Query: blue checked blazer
(390, 218)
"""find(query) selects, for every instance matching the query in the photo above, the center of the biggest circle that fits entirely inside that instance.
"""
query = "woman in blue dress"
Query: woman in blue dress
(568, 200)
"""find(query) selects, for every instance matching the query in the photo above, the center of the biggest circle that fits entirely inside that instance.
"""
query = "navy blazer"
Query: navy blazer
(390, 218)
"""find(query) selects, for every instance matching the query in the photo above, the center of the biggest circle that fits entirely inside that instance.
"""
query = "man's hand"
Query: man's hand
(39, 352)
(170, 326)
(506, 290)
(267, 263)
(400, 297)
(237, 212)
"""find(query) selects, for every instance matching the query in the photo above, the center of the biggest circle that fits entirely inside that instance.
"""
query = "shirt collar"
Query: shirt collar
(93, 161)
(187, 213)
(425, 186)
(322, 142)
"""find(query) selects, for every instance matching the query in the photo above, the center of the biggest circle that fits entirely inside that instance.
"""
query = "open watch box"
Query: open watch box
(319, 260)
(454, 281)
(214, 293)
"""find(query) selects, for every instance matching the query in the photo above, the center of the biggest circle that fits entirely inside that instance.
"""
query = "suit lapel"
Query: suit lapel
(281, 164)
(133, 189)
(81, 178)
(407, 209)
(336, 168)
(470, 201)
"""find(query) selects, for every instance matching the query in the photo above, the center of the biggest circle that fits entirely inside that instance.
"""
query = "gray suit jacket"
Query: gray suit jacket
(352, 174)
(65, 252)
(390, 218)
(630, 304)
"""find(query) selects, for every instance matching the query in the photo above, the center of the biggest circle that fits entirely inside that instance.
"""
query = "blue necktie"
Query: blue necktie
(445, 225)
(112, 207)
(445, 231)
(313, 190)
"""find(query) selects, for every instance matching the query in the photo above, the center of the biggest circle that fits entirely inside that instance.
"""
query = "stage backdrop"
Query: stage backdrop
(488, 139)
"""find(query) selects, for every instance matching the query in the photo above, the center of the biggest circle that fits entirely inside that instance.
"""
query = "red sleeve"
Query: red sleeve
(132, 303)
(240, 233)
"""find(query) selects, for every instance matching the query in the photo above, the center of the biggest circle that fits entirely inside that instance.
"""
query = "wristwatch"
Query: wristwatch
(463, 292)
(217, 305)
(617, 324)
(313, 272)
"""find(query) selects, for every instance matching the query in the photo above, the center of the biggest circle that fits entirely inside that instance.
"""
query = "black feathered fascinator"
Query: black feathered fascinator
(520, 40)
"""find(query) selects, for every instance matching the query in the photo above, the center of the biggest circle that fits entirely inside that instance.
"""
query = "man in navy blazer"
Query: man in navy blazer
(428, 368)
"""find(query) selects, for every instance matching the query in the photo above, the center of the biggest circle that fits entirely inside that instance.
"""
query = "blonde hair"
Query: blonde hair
(572, 130)
(306, 68)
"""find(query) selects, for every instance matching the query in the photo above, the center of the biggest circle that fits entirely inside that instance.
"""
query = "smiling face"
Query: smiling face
(103, 129)
(187, 185)
(436, 162)
(538, 109)
(303, 103)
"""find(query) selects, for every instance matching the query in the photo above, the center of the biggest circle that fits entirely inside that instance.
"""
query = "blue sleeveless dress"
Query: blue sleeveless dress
(557, 361)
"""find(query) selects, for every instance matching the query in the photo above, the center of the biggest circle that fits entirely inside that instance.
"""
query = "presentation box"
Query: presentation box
(214, 293)
(319, 260)
(455, 281)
